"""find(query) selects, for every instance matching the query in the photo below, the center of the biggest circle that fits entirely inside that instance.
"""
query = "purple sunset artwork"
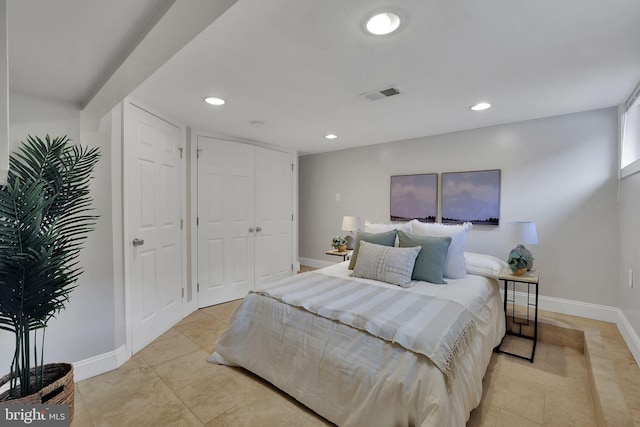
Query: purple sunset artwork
(471, 197)
(414, 197)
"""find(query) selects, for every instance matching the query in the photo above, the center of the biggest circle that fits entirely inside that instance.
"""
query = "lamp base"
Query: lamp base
(350, 242)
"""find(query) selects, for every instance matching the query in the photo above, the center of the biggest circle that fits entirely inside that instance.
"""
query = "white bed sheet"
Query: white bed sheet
(354, 379)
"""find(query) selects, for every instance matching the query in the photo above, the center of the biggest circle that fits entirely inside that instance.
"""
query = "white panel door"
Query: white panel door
(152, 177)
(273, 215)
(225, 220)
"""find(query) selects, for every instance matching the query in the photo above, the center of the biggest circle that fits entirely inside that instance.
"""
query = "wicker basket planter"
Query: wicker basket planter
(59, 388)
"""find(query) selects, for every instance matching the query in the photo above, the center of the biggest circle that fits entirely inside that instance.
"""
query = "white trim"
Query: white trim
(126, 249)
(630, 169)
(193, 218)
(630, 336)
(189, 218)
(99, 364)
(603, 313)
(599, 312)
(187, 308)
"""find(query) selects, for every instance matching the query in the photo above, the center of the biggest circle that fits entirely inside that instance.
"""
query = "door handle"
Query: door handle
(251, 229)
(258, 229)
(137, 242)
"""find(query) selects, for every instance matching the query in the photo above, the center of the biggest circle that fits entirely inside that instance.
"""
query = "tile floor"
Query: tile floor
(170, 383)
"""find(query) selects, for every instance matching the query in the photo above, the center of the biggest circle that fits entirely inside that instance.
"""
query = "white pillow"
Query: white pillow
(455, 265)
(484, 265)
(386, 263)
(375, 227)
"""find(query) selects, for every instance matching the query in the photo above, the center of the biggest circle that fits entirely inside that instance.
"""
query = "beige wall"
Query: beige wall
(629, 298)
(86, 328)
(560, 172)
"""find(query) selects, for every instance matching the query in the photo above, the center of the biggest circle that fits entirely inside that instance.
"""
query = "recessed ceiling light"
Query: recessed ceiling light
(331, 136)
(481, 106)
(383, 23)
(214, 101)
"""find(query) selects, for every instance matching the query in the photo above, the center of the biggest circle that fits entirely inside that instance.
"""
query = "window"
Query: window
(630, 158)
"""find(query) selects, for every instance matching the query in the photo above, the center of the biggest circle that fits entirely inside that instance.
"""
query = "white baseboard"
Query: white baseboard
(603, 313)
(630, 336)
(99, 364)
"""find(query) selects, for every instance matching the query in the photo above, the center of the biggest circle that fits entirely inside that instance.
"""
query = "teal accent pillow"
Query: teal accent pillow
(384, 239)
(429, 266)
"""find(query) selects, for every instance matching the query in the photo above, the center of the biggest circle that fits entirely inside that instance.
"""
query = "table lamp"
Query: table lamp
(351, 224)
(522, 233)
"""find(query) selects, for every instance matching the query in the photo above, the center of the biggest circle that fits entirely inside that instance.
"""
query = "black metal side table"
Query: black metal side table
(517, 320)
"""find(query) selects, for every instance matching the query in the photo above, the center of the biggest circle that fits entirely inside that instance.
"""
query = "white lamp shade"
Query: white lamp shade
(351, 223)
(522, 233)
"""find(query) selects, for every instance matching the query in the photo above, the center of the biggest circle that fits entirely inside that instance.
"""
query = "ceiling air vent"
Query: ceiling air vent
(381, 93)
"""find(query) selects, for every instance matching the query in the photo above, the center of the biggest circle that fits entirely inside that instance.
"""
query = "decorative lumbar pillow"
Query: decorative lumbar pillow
(385, 239)
(386, 263)
(484, 265)
(429, 266)
(455, 266)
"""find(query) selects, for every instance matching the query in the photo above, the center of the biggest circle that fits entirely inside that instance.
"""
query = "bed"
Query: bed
(356, 370)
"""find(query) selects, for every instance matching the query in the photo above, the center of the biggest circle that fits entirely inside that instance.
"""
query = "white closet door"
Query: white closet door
(152, 176)
(225, 220)
(273, 215)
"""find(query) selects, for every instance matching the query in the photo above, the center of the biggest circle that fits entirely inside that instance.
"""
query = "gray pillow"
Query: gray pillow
(386, 263)
(430, 264)
(385, 239)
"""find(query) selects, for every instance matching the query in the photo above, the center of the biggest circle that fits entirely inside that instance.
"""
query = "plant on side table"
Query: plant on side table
(519, 262)
(44, 220)
(339, 243)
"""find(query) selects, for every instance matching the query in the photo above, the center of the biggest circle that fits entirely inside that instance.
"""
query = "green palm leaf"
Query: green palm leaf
(44, 220)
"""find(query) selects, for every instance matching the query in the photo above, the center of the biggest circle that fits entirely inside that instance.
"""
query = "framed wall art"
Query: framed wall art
(414, 197)
(471, 197)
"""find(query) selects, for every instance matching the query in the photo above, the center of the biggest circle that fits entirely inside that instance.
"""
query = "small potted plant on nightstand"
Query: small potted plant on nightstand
(518, 262)
(339, 243)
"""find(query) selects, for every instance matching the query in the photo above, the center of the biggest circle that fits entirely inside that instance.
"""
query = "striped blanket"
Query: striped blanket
(439, 329)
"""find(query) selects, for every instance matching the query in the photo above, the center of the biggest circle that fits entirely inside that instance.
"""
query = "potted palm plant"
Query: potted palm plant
(44, 220)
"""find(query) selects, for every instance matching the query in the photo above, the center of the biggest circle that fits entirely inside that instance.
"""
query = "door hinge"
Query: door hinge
(291, 267)
(198, 287)
(291, 167)
(198, 153)
(197, 220)
(181, 223)
(182, 292)
(180, 150)
(291, 217)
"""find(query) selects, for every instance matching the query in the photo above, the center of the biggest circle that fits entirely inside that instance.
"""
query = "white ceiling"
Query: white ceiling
(301, 66)
(64, 49)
